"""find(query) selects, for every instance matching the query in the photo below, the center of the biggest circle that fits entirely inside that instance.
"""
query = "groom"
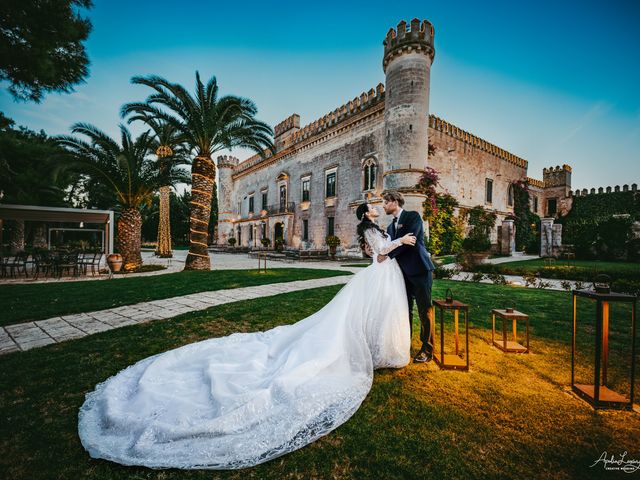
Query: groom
(417, 268)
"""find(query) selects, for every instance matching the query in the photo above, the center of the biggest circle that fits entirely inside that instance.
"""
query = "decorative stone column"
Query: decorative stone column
(226, 164)
(508, 236)
(546, 237)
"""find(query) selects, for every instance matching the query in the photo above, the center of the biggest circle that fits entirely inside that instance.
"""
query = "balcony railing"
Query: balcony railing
(281, 208)
(278, 209)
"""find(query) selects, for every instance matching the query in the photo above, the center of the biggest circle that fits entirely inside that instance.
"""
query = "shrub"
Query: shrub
(476, 244)
(232, 241)
(265, 241)
(481, 222)
(332, 240)
(496, 278)
(477, 276)
(631, 287)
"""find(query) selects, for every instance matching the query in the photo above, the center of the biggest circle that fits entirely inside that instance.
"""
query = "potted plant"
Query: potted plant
(279, 243)
(232, 242)
(266, 242)
(332, 242)
(115, 262)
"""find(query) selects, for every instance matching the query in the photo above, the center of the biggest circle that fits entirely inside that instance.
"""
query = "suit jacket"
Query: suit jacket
(413, 260)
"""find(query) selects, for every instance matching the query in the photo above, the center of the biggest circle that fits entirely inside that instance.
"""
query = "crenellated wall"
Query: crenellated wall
(600, 190)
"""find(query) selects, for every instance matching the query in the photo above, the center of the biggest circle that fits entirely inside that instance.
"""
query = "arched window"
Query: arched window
(510, 195)
(369, 173)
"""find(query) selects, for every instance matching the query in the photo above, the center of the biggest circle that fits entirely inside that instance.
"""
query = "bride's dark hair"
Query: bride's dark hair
(364, 225)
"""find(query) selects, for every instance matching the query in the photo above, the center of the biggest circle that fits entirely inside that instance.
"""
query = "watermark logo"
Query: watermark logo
(622, 463)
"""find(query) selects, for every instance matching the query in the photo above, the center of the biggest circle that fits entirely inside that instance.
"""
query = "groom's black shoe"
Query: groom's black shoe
(423, 357)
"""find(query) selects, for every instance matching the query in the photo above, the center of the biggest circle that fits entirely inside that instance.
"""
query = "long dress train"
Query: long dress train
(246, 398)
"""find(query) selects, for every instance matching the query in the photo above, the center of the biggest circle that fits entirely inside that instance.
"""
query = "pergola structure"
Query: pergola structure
(36, 213)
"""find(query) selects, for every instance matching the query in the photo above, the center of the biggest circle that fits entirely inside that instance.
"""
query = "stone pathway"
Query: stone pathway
(25, 336)
(516, 257)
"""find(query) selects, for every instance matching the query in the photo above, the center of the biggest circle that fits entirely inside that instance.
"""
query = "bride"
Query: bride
(244, 399)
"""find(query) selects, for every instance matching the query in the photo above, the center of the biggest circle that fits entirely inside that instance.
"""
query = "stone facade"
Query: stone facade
(319, 174)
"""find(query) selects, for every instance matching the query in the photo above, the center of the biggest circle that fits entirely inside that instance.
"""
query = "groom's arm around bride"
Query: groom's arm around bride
(416, 265)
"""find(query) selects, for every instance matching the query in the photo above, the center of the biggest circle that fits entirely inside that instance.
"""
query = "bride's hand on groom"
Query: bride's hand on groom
(408, 239)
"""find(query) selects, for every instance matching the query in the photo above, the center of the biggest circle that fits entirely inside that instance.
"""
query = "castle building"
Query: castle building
(319, 174)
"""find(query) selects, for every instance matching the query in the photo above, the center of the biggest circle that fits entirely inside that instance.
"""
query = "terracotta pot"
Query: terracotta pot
(115, 262)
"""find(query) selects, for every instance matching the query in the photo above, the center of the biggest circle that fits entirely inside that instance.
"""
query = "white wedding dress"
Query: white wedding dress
(244, 399)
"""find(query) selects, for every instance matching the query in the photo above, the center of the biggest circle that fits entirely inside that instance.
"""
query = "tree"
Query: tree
(209, 124)
(27, 168)
(41, 47)
(526, 222)
(27, 177)
(126, 169)
(170, 151)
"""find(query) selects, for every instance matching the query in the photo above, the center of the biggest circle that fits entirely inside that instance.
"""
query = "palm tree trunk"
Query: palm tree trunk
(164, 226)
(16, 242)
(129, 238)
(203, 175)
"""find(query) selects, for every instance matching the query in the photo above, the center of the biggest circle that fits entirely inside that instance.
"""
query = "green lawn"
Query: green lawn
(626, 275)
(510, 416)
(591, 265)
(44, 300)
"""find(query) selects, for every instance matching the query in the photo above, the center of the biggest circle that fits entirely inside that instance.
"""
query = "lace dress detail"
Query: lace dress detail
(244, 399)
(380, 244)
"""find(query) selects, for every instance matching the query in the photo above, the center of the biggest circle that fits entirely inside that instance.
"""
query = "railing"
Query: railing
(278, 209)
(281, 208)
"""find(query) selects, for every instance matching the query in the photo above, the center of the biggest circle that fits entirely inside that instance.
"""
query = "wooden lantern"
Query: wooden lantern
(452, 361)
(598, 394)
(506, 315)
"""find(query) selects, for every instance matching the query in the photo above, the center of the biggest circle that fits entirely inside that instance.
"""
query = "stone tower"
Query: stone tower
(557, 191)
(408, 55)
(226, 164)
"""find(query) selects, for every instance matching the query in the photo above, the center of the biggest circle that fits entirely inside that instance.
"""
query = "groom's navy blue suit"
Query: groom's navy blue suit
(417, 269)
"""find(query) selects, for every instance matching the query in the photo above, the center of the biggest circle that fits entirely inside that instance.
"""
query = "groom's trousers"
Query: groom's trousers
(419, 288)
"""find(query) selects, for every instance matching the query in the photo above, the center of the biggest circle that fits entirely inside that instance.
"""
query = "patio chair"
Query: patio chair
(18, 264)
(90, 260)
(68, 262)
(95, 265)
(44, 263)
(4, 265)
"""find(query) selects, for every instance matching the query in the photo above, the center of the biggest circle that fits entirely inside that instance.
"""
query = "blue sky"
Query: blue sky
(552, 82)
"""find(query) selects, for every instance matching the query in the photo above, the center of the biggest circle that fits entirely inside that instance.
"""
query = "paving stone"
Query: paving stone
(118, 321)
(67, 334)
(6, 342)
(20, 327)
(55, 322)
(9, 349)
(76, 317)
(96, 328)
(36, 343)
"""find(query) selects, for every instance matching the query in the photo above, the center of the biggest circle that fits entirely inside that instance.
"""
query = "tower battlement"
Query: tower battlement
(227, 161)
(400, 40)
(287, 124)
(557, 176)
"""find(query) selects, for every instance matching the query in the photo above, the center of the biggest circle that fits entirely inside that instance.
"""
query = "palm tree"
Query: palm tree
(209, 124)
(128, 170)
(170, 151)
